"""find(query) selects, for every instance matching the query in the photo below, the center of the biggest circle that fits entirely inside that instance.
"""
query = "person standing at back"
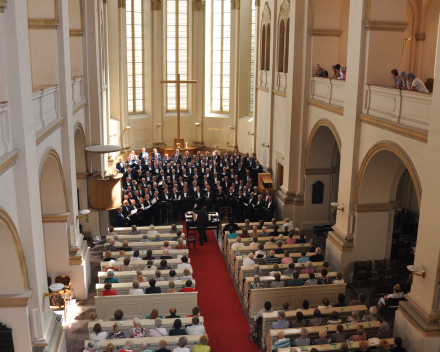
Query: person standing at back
(202, 222)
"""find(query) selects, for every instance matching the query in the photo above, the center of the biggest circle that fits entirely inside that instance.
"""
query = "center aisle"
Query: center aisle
(225, 322)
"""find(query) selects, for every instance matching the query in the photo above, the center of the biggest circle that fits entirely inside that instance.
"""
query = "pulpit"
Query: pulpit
(265, 182)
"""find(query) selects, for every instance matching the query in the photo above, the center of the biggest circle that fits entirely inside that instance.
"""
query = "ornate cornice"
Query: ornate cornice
(325, 32)
(76, 32)
(56, 217)
(43, 23)
(121, 4)
(386, 26)
(235, 4)
(375, 208)
(198, 5)
(329, 107)
(156, 5)
(2, 5)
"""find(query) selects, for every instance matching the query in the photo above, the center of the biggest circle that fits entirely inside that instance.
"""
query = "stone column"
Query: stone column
(418, 318)
(256, 71)
(198, 64)
(234, 73)
(157, 60)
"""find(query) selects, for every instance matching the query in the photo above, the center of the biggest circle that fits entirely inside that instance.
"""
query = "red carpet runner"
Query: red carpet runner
(225, 322)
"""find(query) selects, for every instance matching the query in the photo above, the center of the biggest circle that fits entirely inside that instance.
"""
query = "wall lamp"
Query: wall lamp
(249, 133)
(127, 128)
(414, 270)
(159, 124)
(84, 212)
(264, 145)
(113, 135)
(337, 206)
(197, 124)
(231, 127)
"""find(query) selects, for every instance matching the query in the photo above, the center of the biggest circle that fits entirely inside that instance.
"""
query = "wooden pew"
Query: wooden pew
(294, 295)
(156, 253)
(123, 287)
(136, 238)
(336, 347)
(126, 325)
(140, 264)
(172, 342)
(267, 280)
(249, 239)
(255, 223)
(371, 329)
(246, 241)
(145, 229)
(344, 312)
(141, 305)
(128, 276)
(143, 246)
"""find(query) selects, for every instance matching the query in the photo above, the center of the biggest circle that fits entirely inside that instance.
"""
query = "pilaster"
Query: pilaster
(198, 69)
(235, 71)
(123, 85)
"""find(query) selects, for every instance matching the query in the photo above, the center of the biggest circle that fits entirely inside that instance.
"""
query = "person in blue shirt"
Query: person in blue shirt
(177, 328)
(110, 277)
(232, 233)
(304, 258)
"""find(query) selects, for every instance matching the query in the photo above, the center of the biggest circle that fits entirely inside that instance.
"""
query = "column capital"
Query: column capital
(156, 5)
(121, 4)
(235, 4)
(3, 5)
(198, 5)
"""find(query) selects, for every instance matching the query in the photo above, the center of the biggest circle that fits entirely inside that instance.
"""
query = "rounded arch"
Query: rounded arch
(321, 123)
(16, 260)
(390, 158)
(80, 144)
(53, 195)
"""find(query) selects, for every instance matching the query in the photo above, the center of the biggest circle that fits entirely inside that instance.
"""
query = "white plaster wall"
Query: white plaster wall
(56, 249)
(390, 10)
(263, 125)
(17, 320)
(430, 47)
(75, 14)
(76, 56)
(314, 214)
(53, 141)
(81, 277)
(343, 39)
(216, 132)
(43, 62)
(281, 114)
(8, 200)
(141, 131)
(325, 52)
(245, 142)
(3, 81)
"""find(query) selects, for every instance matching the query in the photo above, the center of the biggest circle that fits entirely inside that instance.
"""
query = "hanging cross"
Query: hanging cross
(178, 82)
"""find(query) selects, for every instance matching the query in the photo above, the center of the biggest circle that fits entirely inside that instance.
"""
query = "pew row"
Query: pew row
(143, 246)
(140, 264)
(123, 287)
(344, 313)
(163, 236)
(255, 223)
(294, 295)
(249, 239)
(156, 253)
(172, 342)
(145, 229)
(336, 347)
(126, 325)
(371, 329)
(128, 276)
(141, 305)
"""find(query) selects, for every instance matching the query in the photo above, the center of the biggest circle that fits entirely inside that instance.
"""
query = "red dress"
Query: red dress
(109, 293)
(187, 289)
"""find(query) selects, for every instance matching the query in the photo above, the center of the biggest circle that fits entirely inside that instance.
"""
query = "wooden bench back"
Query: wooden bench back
(156, 253)
(145, 229)
(336, 347)
(123, 287)
(128, 276)
(140, 264)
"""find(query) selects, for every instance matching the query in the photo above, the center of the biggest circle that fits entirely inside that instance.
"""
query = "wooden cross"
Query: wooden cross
(178, 82)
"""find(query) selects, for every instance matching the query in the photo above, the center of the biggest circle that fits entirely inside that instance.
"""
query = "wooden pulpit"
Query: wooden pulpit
(265, 182)
(105, 193)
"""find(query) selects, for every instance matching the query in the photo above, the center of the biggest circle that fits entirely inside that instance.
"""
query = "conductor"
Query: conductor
(202, 222)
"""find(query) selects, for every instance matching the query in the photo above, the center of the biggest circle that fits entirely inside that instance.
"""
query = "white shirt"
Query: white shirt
(272, 273)
(184, 278)
(135, 291)
(253, 244)
(260, 252)
(338, 281)
(237, 245)
(288, 224)
(184, 266)
(248, 262)
(101, 336)
(420, 86)
(181, 349)
(135, 258)
(157, 332)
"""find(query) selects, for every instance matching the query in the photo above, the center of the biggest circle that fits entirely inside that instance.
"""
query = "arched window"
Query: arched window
(263, 46)
(283, 37)
(286, 47)
(281, 47)
(268, 48)
(265, 38)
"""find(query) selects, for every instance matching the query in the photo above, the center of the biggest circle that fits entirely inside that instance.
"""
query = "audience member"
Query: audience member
(183, 341)
(188, 287)
(325, 304)
(177, 328)
(296, 281)
(279, 250)
(93, 316)
(317, 257)
(363, 346)
(286, 306)
(128, 346)
(171, 286)
(249, 261)
(291, 240)
(360, 334)
(416, 84)
(324, 280)
(306, 305)
(267, 308)
(318, 320)
(118, 315)
(287, 259)
(384, 331)
(277, 282)
(256, 283)
(254, 242)
(325, 265)
(303, 258)
(116, 333)
(178, 236)
(397, 294)
(166, 245)
(108, 256)
(138, 330)
(281, 323)
(384, 346)
(303, 340)
(91, 347)
(338, 336)
(372, 314)
(354, 318)
(184, 264)
(152, 288)
(149, 255)
(110, 277)
(108, 290)
(322, 338)
(126, 266)
(398, 345)
(360, 301)
(320, 72)
(299, 322)
(276, 269)
(282, 341)
(311, 281)
(334, 318)
(203, 346)
(261, 253)
(256, 271)
(125, 246)
(111, 266)
(341, 301)
(163, 265)
(339, 279)
(135, 290)
(405, 83)
(271, 259)
(186, 275)
(290, 269)
(158, 330)
(154, 314)
(308, 269)
(97, 333)
(195, 328)
(237, 243)
(397, 80)
(162, 346)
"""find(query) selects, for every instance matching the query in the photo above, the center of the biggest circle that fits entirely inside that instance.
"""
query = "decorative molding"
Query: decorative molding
(43, 23)
(121, 4)
(328, 107)
(14, 301)
(286, 197)
(56, 217)
(368, 11)
(343, 243)
(320, 171)
(79, 107)
(386, 26)
(320, 123)
(76, 32)
(325, 32)
(266, 15)
(280, 156)
(8, 160)
(235, 4)
(3, 5)
(375, 207)
(409, 132)
(279, 93)
(264, 89)
(156, 5)
(426, 324)
(198, 5)
(43, 133)
(420, 36)
(401, 154)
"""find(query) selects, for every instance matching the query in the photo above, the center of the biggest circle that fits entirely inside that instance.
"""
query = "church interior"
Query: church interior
(219, 175)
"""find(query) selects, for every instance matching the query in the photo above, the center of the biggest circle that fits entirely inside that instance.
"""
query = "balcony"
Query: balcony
(77, 92)
(5, 129)
(331, 92)
(46, 106)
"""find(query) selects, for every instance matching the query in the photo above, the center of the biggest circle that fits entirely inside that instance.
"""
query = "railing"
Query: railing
(404, 107)
(77, 91)
(330, 91)
(5, 129)
(46, 106)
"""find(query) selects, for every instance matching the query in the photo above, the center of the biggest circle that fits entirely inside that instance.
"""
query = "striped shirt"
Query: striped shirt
(282, 343)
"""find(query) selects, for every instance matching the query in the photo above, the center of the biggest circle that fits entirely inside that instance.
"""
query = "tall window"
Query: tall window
(177, 51)
(251, 75)
(221, 55)
(135, 56)
(265, 38)
(283, 37)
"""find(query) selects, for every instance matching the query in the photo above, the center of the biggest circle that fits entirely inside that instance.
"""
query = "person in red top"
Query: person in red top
(108, 290)
(188, 287)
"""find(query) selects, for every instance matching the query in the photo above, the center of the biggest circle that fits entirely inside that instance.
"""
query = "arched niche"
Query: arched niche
(80, 144)
(52, 185)
(14, 278)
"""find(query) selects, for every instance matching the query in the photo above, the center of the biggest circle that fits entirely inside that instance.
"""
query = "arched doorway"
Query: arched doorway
(55, 214)
(321, 170)
(81, 167)
(387, 202)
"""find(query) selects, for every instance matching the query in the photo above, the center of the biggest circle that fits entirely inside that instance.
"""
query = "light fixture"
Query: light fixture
(337, 206)
(159, 124)
(127, 128)
(414, 270)
(84, 212)
(197, 124)
(249, 133)
(112, 135)
(264, 145)
(55, 288)
(231, 127)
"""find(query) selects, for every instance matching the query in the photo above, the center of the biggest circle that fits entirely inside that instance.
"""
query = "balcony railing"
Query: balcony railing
(46, 106)
(326, 90)
(5, 129)
(408, 108)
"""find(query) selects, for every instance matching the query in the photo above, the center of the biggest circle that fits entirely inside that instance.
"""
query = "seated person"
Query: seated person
(97, 333)
(163, 265)
(325, 304)
(311, 281)
(134, 230)
(281, 239)
(277, 282)
(338, 336)
(308, 269)
(108, 256)
(397, 294)
(152, 288)
(254, 242)
(279, 250)
(341, 301)
(372, 314)
(282, 340)
(318, 320)
(290, 269)
(303, 340)
(291, 240)
(180, 244)
(111, 266)
(108, 290)
(271, 259)
(303, 258)
(354, 318)
(110, 277)
(296, 281)
(299, 322)
(230, 223)
(173, 276)
(149, 255)
(158, 276)
(158, 330)
(173, 229)
(256, 271)
(165, 255)
(152, 231)
(261, 253)
(118, 315)
(173, 314)
(363, 346)
(154, 314)
(267, 308)
(398, 345)
(232, 233)
(271, 241)
(286, 306)
(126, 266)
(177, 328)
(281, 323)
(324, 280)
(256, 283)
(135, 290)
(121, 255)
(287, 259)
(325, 265)
(184, 264)
(384, 331)
(334, 319)
(166, 245)
(339, 279)
(320, 72)
(116, 333)
(150, 265)
(360, 334)
(276, 269)
(195, 328)
(301, 238)
(188, 287)
(317, 257)
(186, 275)
(125, 246)
(145, 238)
(360, 301)
(322, 338)
(171, 287)
(305, 305)
(138, 330)
(249, 261)
(178, 235)
(237, 243)
(157, 238)
(135, 256)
